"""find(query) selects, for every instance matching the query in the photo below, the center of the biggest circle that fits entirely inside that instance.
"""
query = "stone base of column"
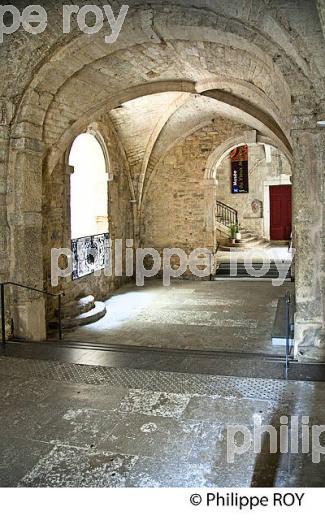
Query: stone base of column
(29, 321)
(309, 342)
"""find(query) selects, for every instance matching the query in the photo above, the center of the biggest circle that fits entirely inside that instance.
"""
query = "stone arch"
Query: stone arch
(94, 130)
(102, 108)
(216, 159)
(223, 150)
(117, 167)
(161, 147)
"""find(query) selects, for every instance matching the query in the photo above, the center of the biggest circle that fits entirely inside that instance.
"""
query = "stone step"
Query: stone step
(77, 307)
(95, 314)
(85, 318)
(241, 264)
(238, 246)
(267, 276)
(246, 239)
(224, 270)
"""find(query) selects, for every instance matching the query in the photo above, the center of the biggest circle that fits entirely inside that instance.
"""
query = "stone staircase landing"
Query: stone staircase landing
(248, 241)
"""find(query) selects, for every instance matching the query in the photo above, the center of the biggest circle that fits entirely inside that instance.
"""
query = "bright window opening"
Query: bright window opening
(89, 197)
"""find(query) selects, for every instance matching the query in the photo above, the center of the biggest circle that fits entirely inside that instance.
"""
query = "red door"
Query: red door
(280, 206)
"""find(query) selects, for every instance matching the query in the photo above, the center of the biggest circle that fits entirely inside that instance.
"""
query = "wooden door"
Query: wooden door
(281, 212)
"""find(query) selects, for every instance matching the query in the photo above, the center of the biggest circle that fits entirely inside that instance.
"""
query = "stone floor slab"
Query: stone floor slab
(151, 436)
(73, 467)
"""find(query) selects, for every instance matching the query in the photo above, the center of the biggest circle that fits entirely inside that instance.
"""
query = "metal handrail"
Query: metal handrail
(2, 303)
(288, 302)
(226, 206)
(228, 214)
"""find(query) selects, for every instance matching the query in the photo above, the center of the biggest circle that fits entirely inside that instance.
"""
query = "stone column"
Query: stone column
(4, 259)
(57, 226)
(58, 210)
(26, 244)
(210, 198)
(6, 115)
(309, 237)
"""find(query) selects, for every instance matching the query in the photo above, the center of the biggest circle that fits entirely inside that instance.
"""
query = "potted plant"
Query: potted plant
(233, 230)
(238, 233)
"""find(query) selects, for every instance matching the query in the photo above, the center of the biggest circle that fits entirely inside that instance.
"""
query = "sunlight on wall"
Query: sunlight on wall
(89, 200)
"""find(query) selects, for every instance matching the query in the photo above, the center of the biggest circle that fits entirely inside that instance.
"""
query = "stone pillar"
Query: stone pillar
(58, 209)
(210, 198)
(26, 244)
(4, 260)
(57, 226)
(309, 237)
(6, 115)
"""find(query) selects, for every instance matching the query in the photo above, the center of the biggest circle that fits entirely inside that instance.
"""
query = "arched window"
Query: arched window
(89, 206)
(89, 197)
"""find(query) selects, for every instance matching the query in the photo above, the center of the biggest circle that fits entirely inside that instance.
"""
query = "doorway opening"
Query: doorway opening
(280, 213)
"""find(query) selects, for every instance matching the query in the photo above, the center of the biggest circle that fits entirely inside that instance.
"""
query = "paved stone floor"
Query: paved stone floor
(67, 425)
(222, 315)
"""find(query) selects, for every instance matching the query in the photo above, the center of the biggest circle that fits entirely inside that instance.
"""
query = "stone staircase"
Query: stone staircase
(240, 270)
(248, 240)
(227, 216)
(80, 312)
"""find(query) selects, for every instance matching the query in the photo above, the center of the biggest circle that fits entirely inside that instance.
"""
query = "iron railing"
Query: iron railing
(289, 329)
(90, 254)
(3, 304)
(226, 215)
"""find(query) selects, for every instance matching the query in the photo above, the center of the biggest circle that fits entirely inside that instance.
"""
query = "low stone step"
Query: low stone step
(224, 270)
(243, 269)
(95, 314)
(258, 244)
(77, 307)
(247, 239)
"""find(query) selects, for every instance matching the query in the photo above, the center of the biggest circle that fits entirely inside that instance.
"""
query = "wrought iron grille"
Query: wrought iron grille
(90, 254)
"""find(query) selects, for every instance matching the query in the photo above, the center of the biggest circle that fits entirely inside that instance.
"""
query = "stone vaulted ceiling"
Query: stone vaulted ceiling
(173, 68)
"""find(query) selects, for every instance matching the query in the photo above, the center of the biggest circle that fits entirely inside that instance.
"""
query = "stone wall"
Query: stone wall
(174, 212)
